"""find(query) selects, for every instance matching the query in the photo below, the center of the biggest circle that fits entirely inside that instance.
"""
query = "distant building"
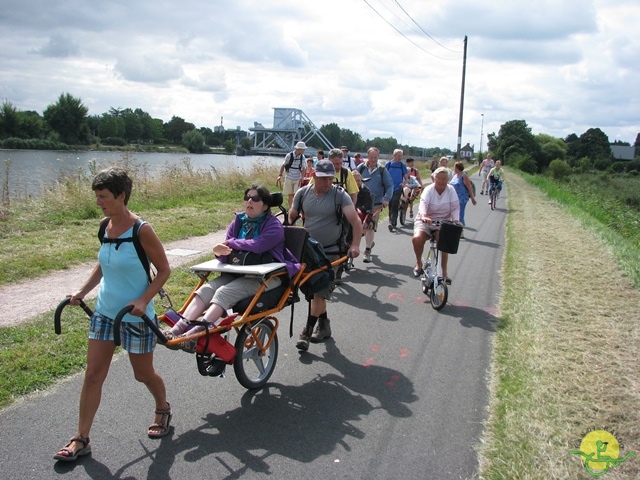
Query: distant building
(466, 151)
(622, 152)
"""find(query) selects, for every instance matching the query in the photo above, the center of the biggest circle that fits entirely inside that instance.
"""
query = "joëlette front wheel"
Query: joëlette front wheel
(253, 368)
(494, 197)
(402, 214)
(439, 294)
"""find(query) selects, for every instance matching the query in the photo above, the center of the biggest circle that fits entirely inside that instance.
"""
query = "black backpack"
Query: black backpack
(314, 257)
(133, 238)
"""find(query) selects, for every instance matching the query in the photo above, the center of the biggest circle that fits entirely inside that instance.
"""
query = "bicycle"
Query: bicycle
(433, 284)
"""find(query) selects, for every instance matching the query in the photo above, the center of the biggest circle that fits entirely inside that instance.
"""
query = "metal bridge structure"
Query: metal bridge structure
(290, 126)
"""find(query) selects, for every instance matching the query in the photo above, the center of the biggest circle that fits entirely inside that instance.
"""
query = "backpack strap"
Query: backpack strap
(299, 209)
(144, 260)
(135, 238)
(292, 157)
(290, 162)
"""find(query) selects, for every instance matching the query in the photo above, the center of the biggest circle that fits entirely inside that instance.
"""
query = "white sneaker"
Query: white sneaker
(367, 256)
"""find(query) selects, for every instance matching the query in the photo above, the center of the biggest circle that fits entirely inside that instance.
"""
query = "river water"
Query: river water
(25, 173)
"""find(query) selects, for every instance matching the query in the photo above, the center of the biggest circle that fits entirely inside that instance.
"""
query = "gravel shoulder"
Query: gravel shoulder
(25, 300)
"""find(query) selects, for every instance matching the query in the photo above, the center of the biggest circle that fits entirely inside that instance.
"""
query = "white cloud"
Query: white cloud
(562, 66)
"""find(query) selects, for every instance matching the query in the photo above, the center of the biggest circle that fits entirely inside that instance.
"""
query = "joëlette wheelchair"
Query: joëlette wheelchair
(255, 350)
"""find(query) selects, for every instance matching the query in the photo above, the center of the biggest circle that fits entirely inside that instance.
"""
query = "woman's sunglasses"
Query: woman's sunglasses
(255, 198)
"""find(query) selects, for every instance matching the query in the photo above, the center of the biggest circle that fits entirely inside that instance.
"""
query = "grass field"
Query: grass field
(565, 354)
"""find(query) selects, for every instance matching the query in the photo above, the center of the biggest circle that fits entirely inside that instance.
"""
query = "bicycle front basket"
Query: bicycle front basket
(449, 238)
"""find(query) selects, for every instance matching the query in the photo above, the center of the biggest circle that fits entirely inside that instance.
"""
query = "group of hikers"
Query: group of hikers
(335, 199)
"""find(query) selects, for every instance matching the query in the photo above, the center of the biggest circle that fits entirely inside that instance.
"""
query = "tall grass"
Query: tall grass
(606, 204)
(565, 353)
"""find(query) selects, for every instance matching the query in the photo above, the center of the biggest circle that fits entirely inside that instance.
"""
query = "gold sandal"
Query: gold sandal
(160, 429)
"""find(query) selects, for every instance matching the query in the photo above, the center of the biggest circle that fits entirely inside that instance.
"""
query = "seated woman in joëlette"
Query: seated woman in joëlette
(254, 230)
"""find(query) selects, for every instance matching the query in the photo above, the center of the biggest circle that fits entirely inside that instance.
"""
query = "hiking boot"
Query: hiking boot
(190, 345)
(303, 340)
(367, 255)
(391, 228)
(170, 336)
(323, 330)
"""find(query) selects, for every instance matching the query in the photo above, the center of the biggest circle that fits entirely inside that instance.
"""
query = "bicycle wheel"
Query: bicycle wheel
(253, 369)
(439, 294)
(402, 214)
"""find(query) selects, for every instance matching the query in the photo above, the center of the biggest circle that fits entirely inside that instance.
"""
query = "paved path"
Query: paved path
(400, 390)
(25, 300)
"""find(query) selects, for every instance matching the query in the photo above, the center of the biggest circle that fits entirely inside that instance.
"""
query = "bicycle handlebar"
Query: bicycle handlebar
(118, 320)
(58, 314)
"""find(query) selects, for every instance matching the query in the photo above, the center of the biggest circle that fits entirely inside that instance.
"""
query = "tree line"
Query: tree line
(66, 122)
(517, 146)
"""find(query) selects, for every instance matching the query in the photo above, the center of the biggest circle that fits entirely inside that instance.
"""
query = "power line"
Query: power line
(407, 38)
(399, 19)
(425, 32)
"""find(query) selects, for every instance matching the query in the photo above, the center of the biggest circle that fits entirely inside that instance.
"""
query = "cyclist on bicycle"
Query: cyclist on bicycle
(439, 201)
(496, 177)
(486, 165)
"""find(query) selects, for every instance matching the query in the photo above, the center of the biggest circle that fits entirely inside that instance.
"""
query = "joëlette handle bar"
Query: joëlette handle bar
(118, 320)
(58, 314)
(377, 211)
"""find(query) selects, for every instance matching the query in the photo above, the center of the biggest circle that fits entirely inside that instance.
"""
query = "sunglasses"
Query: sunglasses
(255, 198)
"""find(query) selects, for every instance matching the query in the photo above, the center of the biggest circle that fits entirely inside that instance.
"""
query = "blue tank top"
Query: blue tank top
(123, 279)
(461, 189)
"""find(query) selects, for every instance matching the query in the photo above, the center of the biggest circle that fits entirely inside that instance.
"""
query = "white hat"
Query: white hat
(301, 146)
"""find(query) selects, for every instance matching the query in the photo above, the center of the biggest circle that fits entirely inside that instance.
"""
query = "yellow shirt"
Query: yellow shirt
(350, 185)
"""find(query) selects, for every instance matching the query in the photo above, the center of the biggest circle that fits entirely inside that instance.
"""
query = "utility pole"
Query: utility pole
(481, 133)
(464, 70)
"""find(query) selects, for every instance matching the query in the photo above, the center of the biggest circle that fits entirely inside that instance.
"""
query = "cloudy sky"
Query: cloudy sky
(378, 67)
